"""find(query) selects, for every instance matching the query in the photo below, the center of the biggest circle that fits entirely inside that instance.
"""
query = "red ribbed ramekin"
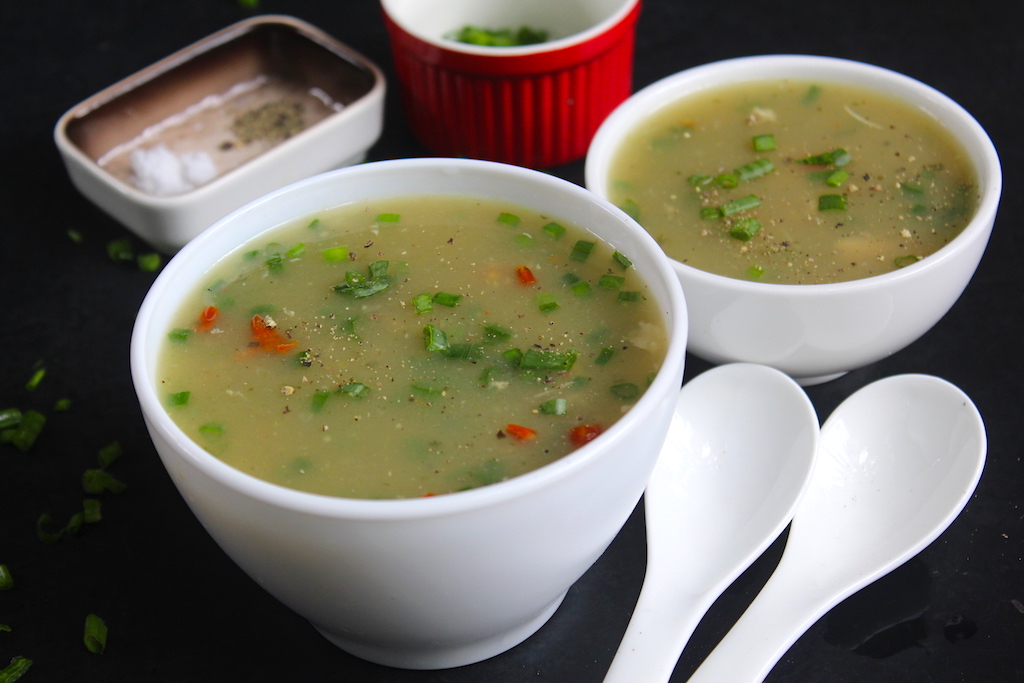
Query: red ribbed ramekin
(537, 105)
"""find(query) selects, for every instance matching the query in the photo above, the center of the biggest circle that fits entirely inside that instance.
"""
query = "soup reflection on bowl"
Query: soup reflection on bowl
(416, 399)
(821, 214)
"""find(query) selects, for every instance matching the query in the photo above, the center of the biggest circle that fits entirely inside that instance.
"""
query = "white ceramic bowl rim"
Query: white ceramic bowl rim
(978, 145)
(432, 507)
(579, 38)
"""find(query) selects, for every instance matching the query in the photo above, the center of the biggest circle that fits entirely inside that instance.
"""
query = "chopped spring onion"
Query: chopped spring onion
(15, 670)
(570, 279)
(10, 417)
(625, 390)
(212, 430)
(178, 399)
(149, 263)
(434, 339)
(305, 358)
(179, 334)
(699, 179)
(710, 213)
(315, 224)
(389, 217)
(91, 512)
(755, 169)
(28, 430)
(361, 287)
(120, 251)
(836, 178)
(534, 359)
(62, 405)
(6, 580)
(755, 271)
(763, 143)
(812, 94)
(464, 351)
(335, 254)
(320, 398)
(446, 299)
(582, 290)
(101, 481)
(523, 239)
(496, 334)
(355, 390)
(744, 229)
(611, 282)
(837, 157)
(109, 454)
(421, 303)
(95, 636)
(631, 208)
(553, 229)
(904, 261)
(47, 536)
(75, 236)
(547, 303)
(555, 406)
(37, 377)
(622, 260)
(727, 181)
(742, 204)
(581, 251)
(605, 356)
(831, 202)
(629, 296)
(509, 219)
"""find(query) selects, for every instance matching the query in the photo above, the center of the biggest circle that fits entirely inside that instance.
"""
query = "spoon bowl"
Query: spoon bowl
(897, 462)
(737, 459)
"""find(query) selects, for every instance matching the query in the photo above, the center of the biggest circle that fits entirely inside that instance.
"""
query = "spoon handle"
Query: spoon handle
(784, 609)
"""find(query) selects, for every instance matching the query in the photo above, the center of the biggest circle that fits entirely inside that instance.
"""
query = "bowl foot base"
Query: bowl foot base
(441, 657)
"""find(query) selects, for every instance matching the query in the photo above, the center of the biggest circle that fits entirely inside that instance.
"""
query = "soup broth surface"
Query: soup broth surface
(795, 182)
(410, 347)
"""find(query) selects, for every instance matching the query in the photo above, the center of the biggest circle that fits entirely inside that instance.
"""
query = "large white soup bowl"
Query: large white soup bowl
(816, 332)
(430, 582)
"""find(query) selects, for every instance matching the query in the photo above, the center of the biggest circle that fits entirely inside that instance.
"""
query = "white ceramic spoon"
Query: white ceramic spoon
(737, 458)
(897, 462)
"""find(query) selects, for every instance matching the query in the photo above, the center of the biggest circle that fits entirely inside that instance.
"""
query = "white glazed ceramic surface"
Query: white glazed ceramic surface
(817, 332)
(897, 462)
(168, 222)
(432, 582)
(567, 23)
(722, 491)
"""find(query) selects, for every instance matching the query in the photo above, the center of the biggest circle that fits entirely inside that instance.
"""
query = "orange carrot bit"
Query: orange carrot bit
(525, 276)
(207, 317)
(583, 434)
(269, 338)
(520, 432)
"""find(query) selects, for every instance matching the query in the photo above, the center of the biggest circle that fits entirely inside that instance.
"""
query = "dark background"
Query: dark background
(179, 610)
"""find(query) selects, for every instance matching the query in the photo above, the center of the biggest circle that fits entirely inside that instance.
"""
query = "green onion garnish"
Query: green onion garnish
(10, 417)
(625, 390)
(629, 296)
(37, 377)
(319, 401)
(744, 229)
(534, 359)
(446, 299)
(62, 405)
(464, 351)
(95, 636)
(622, 260)
(582, 290)
(421, 303)
(509, 219)
(605, 356)
(28, 430)
(727, 181)
(742, 204)
(179, 334)
(355, 390)
(755, 169)
(211, 430)
(556, 406)
(179, 398)
(100, 481)
(611, 282)
(831, 202)
(315, 224)
(698, 179)
(335, 254)
(15, 670)
(389, 217)
(434, 339)
(523, 239)
(120, 251)
(837, 157)
(554, 230)
(836, 178)
(631, 208)
(764, 143)
(570, 279)
(581, 251)
(496, 334)
(546, 303)
(91, 511)
(274, 264)
(6, 580)
(149, 263)
(710, 213)
(755, 271)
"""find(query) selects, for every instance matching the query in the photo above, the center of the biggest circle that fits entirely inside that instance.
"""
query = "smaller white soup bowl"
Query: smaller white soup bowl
(816, 332)
(434, 582)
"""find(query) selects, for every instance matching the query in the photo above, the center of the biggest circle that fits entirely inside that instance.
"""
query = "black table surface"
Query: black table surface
(179, 610)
